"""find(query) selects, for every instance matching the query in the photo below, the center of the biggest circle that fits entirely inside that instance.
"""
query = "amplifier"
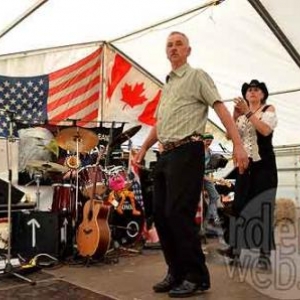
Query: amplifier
(16, 194)
(42, 232)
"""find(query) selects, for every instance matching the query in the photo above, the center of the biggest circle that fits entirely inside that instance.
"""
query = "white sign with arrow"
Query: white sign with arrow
(64, 230)
(34, 224)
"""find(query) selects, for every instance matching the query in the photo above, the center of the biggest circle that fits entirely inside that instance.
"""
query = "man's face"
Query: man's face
(177, 49)
(208, 142)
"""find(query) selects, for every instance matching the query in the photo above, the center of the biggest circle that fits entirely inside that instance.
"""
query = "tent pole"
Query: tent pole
(22, 17)
(273, 93)
(103, 81)
(271, 23)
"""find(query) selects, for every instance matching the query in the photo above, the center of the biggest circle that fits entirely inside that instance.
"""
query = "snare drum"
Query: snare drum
(92, 176)
(64, 198)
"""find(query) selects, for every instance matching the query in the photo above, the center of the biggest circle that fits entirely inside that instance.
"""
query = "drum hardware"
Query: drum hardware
(37, 179)
(126, 135)
(42, 168)
(72, 162)
(117, 246)
(9, 268)
(46, 166)
(132, 229)
(109, 146)
(78, 140)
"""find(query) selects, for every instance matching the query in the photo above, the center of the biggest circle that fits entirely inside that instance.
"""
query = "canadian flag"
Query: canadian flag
(131, 94)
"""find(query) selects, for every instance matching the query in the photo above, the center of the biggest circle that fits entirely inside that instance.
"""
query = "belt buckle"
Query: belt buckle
(169, 146)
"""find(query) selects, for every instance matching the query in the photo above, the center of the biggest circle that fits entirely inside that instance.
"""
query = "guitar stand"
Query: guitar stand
(87, 261)
(9, 268)
(118, 250)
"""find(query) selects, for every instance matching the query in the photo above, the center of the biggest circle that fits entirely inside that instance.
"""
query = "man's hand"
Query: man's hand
(240, 158)
(138, 158)
(150, 141)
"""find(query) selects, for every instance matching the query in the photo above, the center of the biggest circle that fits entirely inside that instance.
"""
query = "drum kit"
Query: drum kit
(90, 182)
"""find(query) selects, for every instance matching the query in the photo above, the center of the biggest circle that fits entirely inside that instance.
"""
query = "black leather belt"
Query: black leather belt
(168, 146)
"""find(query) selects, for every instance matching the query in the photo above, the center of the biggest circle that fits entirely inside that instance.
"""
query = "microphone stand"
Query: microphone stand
(9, 269)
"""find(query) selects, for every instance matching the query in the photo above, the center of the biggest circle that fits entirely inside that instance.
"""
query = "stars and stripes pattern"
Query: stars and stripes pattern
(72, 92)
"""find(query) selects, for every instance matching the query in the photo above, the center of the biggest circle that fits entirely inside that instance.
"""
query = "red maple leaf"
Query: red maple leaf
(147, 116)
(133, 95)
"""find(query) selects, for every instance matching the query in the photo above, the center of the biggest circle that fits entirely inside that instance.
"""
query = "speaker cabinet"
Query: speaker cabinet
(42, 232)
(16, 194)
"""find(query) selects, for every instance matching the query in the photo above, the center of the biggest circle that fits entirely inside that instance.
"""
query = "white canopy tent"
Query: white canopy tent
(231, 40)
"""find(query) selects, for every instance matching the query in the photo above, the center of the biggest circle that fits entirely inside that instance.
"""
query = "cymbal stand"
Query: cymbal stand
(109, 147)
(37, 179)
(77, 137)
(9, 269)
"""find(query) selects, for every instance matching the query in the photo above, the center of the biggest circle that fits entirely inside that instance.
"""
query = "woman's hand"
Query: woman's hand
(241, 106)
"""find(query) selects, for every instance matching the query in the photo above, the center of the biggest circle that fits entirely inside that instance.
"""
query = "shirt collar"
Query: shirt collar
(178, 72)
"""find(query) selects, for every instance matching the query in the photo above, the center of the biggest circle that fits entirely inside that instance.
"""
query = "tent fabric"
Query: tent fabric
(93, 85)
(230, 41)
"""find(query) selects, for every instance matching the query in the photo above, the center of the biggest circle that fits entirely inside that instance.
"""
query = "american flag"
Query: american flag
(69, 93)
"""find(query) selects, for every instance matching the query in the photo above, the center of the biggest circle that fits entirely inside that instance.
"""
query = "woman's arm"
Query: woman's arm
(261, 126)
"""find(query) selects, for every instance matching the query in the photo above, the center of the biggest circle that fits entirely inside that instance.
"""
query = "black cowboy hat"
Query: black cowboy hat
(255, 83)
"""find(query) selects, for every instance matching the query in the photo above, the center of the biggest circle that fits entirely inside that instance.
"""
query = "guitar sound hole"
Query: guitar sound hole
(87, 231)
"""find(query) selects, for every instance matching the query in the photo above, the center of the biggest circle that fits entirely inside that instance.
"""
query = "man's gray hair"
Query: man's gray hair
(180, 33)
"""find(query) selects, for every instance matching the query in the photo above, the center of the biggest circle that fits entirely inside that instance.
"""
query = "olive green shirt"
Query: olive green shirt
(183, 107)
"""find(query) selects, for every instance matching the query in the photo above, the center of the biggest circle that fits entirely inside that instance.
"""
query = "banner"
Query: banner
(131, 94)
(70, 92)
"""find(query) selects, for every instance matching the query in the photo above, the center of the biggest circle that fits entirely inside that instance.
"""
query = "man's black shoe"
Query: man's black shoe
(168, 283)
(187, 289)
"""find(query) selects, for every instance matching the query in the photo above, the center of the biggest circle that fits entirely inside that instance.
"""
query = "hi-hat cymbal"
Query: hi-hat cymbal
(126, 135)
(77, 139)
(46, 166)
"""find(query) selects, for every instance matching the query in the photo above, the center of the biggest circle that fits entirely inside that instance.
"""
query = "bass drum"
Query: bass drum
(127, 228)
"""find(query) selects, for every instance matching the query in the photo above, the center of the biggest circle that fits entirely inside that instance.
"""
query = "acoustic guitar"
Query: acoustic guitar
(93, 234)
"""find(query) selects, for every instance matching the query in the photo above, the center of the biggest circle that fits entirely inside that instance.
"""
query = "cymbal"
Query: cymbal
(126, 135)
(46, 166)
(68, 138)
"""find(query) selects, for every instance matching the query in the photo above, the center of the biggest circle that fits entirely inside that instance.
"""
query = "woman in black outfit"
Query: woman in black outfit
(255, 189)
